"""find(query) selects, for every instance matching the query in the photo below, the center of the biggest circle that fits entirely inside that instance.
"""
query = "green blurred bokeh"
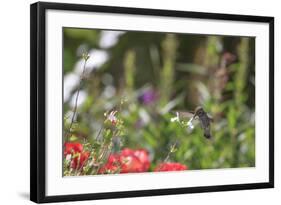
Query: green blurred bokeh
(155, 73)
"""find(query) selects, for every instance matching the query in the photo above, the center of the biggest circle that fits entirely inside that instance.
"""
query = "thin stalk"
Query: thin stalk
(67, 135)
(172, 150)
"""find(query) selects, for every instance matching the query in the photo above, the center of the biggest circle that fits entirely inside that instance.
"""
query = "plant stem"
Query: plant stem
(67, 135)
(172, 149)
(98, 136)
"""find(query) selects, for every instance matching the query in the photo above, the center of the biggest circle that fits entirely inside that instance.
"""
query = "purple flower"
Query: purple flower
(148, 96)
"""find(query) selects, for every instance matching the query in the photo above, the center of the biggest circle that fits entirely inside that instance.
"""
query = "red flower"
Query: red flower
(127, 161)
(130, 163)
(134, 160)
(112, 164)
(72, 147)
(170, 166)
(79, 160)
(143, 156)
(77, 155)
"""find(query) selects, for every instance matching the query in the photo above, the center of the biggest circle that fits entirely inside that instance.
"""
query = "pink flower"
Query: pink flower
(112, 118)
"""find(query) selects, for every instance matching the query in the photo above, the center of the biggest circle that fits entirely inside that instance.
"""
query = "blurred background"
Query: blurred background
(146, 75)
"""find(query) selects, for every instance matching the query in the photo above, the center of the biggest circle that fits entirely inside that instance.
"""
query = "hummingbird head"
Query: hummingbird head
(198, 111)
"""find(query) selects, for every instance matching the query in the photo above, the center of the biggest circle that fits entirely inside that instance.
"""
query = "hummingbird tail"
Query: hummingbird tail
(207, 135)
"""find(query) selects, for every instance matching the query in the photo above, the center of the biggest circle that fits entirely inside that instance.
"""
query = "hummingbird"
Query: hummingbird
(204, 118)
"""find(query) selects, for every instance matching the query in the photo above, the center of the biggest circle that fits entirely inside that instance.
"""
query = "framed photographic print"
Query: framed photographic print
(129, 102)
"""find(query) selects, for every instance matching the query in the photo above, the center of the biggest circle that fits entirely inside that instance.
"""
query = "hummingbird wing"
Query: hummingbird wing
(184, 114)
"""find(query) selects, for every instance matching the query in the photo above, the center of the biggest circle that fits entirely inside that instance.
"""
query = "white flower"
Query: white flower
(189, 124)
(177, 118)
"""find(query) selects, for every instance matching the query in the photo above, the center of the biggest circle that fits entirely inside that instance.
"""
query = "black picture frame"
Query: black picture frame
(38, 100)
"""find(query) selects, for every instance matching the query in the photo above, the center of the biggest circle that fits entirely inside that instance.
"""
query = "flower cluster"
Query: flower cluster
(127, 161)
(97, 156)
(75, 154)
(131, 161)
(183, 123)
